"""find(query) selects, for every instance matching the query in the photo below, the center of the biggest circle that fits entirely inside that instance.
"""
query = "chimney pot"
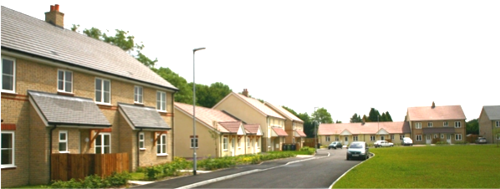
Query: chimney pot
(57, 7)
(52, 8)
(433, 104)
(245, 92)
(54, 16)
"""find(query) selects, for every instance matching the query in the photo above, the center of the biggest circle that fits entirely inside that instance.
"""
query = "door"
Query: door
(428, 139)
(448, 138)
(232, 146)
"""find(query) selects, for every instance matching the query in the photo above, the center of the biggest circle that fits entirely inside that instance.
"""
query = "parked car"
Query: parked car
(407, 141)
(335, 145)
(383, 143)
(481, 140)
(358, 150)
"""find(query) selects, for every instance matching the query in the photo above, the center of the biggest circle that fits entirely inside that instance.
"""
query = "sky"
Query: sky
(344, 56)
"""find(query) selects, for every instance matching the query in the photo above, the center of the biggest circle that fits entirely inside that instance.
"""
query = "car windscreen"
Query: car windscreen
(356, 145)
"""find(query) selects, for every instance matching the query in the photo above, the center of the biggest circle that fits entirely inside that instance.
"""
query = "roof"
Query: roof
(301, 133)
(279, 131)
(143, 117)
(29, 35)
(259, 106)
(437, 113)
(367, 128)
(493, 112)
(252, 129)
(231, 126)
(68, 110)
(206, 115)
(438, 130)
(284, 112)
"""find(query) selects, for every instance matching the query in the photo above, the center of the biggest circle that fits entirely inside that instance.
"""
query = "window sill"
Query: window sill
(65, 93)
(192, 147)
(162, 111)
(138, 103)
(9, 92)
(8, 167)
(142, 149)
(103, 104)
(64, 152)
(225, 150)
(161, 155)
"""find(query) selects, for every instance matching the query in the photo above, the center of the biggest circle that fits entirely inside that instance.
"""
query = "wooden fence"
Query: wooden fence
(78, 166)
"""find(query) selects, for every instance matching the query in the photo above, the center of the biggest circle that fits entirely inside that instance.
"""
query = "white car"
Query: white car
(383, 143)
(407, 141)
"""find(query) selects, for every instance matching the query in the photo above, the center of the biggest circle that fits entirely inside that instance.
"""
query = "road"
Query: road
(318, 172)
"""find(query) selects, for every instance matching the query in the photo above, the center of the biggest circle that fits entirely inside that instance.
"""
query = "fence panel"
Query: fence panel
(78, 166)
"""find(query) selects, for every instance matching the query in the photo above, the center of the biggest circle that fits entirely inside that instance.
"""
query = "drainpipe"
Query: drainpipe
(173, 125)
(50, 152)
(138, 150)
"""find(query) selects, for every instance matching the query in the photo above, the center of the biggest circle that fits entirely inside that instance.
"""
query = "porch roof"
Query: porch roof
(438, 130)
(278, 131)
(300, 133)
(252, 129)
(67, 110)
(143, 117)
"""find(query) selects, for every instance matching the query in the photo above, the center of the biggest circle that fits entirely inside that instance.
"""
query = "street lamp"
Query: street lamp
(194, 115)
(315, 132)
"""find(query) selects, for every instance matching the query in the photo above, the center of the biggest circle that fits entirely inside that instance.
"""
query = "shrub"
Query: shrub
(72, 183)
(94, 181)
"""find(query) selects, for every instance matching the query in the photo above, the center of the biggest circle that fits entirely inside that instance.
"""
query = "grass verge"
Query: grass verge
(457, 166)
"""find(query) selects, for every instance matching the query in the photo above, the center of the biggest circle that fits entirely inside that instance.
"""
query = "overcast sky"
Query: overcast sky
(345, 56)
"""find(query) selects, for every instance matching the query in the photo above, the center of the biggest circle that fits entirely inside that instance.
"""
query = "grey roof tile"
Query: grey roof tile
(493, 112)
(67, 110)
(143, 116)
(29, 35)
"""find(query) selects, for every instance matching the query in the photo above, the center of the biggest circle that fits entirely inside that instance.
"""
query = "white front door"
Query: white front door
(448, 138)
(232, 147)
(428, 139)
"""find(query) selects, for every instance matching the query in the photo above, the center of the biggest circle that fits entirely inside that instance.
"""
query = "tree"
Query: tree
(291, 111)
(322, 116)
(355, 118)
(383, 117)
(472, 127)
(373, 116)
(365, 119)
(208, 96)
(388, 116)
(185, 94)
(308, 127)
(338, 121)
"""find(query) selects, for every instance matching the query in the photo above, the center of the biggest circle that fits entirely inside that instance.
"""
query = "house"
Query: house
(217, 133)
(489, 121)
(64, 92)
(368, 132)
(252, 110)
(438, 123)
(294, 126)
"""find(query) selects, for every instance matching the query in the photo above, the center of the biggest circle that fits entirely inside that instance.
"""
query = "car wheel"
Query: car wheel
(367, 156)
(347, 157)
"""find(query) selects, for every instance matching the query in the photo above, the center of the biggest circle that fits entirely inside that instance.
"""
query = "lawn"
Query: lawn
(457, 166)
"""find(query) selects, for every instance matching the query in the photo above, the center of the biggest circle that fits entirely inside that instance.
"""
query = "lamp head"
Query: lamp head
(197, 49)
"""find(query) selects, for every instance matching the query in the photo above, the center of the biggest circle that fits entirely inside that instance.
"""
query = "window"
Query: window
(7, 149)
(372, 137)
(161, 145)
(442, 136)
(497, 123)
(498, 136)
(419, 137)
(248, 142)
(8, 75)
(382, 137)
(435, 136)
(103, 143)
(238, 142)
(224, 143)
(445, 124)
(418, 125)
(194, 142)
(327, 138)
(141, 141)
(337, 138)
(401, 137)
(63, 141)
(65, 81)
(355, 138)
(429, 124)
(458, 124)
(138, 94)
(161, 101)
(102, 91)
(392, 137)
(293, 140)
(346, 139)
(258, 143)
(458, 137)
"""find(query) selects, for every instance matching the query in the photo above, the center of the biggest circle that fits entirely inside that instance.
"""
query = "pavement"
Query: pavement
(214, 176)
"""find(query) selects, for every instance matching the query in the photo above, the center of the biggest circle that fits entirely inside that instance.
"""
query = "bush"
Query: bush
(94, 181)
(307, 149)
(168, 169)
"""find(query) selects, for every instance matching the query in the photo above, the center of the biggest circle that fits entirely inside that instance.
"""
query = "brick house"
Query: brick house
(251, 110)
(443, 123)
(368, 132)
(294, 126)
(64, 92)
(489, 121)
(218, 134)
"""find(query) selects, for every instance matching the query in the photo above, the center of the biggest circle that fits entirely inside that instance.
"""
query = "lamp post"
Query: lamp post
(194, 115)
(315, 133)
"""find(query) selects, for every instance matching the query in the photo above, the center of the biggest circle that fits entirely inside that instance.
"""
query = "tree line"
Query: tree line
(373, 116)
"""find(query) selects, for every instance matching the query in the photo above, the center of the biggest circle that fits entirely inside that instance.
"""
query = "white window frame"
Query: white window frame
(13, 164)
(293, 140)
(436, 136)
(64, 81)
(392, 137)
(248, 142)
(458, 124)
(372, 137)
(13, 75)
(225, 143)
(382, 137)
(445, 124)
(458, 137)
(103, 146)
(430, 124)
(161, 142)
(355, 138)
(238, 141)
(497, 123)
(258, 142)
(401, 137)
(419, 138)
(442, 136)
(138, 94)
(346, 139)
(65, 141)
(327, 138)
(194, 142)
(102, 92)
(142, 144)
(161, 104)
(418, 125)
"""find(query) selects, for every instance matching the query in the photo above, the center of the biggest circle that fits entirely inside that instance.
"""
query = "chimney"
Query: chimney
(245, 92)
(54, 16)
(433, 105)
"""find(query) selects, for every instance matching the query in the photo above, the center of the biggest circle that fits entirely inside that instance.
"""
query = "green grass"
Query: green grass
(137, 176)
(456, 166)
